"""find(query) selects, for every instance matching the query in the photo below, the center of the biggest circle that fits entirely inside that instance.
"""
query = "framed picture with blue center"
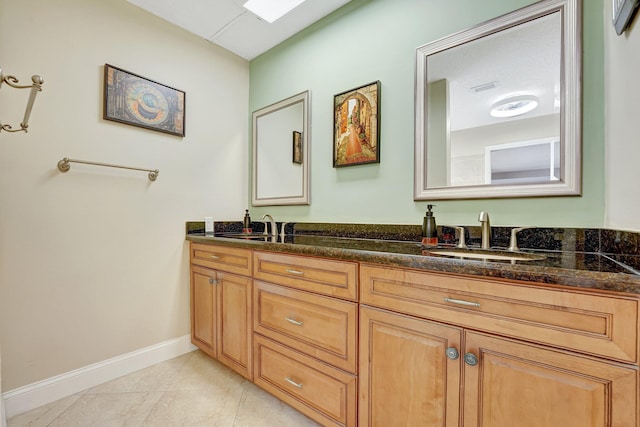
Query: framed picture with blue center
(356, 126)
(138, 101)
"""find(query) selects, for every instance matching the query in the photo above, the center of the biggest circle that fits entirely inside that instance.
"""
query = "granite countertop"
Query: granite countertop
(578, 269)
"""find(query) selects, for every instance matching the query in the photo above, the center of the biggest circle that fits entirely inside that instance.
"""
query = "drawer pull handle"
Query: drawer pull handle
(215, 257)
(461, 302)
(293, 383)
(296, 272)
(294, 321)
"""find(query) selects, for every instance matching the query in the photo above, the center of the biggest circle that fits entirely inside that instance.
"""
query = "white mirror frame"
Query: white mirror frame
(303, 197)
(570, 110)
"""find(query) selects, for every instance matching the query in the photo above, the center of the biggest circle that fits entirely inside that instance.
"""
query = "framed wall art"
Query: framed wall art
(297, 147)
(356, 126)
(138, 101)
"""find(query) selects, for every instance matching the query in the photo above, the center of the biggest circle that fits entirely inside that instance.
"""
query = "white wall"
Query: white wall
(622, 147)
(93, 263)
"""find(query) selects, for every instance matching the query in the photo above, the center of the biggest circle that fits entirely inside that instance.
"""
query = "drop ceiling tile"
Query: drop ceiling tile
(227, 24)
(201, 17)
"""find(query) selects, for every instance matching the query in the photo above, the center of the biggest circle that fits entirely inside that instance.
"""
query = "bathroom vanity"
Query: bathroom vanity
(371, 332)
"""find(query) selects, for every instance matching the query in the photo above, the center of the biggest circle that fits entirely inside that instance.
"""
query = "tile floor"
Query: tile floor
(190, 390)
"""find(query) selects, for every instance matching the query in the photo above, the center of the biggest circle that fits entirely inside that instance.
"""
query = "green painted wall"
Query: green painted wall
(368, 40)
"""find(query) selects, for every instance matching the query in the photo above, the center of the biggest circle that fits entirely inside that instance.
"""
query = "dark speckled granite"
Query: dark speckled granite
(597, 259)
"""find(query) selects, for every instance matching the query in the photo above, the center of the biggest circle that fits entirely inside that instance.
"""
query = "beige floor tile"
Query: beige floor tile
(108, 410)
(213, 407)
(260, 409)
(191, 390)
(205, 393)
(43, 415)
(200, 372)
(159, 377)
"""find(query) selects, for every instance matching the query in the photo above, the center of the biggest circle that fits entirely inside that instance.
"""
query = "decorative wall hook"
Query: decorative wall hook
(35, 88)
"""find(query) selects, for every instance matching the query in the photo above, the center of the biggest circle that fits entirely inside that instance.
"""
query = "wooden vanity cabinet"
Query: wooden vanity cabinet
(221, 305)
(305, 326)
(466, 372)
(354, 344)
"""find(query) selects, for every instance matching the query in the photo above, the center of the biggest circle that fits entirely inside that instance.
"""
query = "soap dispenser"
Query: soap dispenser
(246, 222)
(429, 229)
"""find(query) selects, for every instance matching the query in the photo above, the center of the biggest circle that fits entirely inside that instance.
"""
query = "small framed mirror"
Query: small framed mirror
(281, 152)
(498, 107)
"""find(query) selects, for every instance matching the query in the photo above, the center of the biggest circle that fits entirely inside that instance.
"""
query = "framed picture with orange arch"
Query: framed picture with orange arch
(356, 126)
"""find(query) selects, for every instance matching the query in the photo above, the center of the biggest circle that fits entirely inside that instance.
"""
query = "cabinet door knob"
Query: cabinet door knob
(452, 353)
(293, 383)
(213, 281)
(294, 321)
(470, 359)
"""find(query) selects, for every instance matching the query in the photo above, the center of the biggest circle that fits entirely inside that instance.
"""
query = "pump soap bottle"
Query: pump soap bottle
(429, 229)
(246, 222)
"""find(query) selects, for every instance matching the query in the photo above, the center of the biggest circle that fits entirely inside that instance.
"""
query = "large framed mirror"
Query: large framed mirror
(281, 152)
(498, 107)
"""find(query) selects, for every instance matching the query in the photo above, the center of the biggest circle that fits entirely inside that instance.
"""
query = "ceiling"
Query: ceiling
(228, 24)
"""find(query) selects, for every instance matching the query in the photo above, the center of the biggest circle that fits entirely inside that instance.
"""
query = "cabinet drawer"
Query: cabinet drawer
(325, 394)
(319, 326)
(223, 258)
(593, 324)
(328, 277)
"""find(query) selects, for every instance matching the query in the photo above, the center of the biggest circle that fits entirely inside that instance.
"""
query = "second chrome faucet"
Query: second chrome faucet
(483, 218)
(274, 227)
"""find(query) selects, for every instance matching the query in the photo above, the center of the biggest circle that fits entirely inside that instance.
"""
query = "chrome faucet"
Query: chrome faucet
(513, 242)
(274, 227)
(462, 244)
(486, 229)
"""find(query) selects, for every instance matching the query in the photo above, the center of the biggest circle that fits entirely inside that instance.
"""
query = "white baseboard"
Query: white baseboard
(40, 393)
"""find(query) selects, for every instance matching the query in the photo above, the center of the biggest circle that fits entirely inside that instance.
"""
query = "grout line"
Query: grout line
(80, 396)
(155, 405)
(242, 398)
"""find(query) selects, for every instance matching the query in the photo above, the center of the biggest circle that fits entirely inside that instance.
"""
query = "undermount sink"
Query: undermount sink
(482, 254)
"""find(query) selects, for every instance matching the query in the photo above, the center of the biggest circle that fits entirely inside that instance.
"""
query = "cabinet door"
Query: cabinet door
(406, 378)
(203, 309)
(234, 326)
(516, 384)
